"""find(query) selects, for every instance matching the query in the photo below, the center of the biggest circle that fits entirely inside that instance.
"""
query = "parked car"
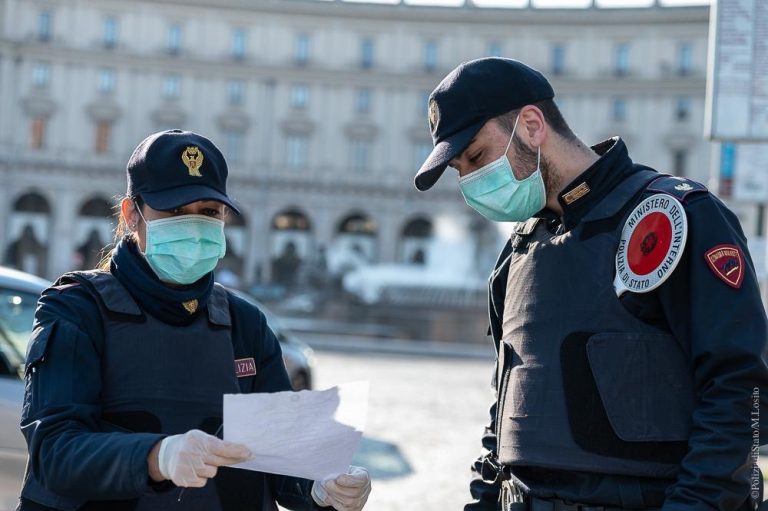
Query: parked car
(18, 299)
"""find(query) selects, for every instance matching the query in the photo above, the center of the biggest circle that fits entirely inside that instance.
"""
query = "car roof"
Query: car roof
(21, 281)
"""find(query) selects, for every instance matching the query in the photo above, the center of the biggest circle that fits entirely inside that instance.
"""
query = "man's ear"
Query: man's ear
(534, 125)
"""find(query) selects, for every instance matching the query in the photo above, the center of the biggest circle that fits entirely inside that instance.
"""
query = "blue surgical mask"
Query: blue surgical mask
(182, 249)
(494, 192)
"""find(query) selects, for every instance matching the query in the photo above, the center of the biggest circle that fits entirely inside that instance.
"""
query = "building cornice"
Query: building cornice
(467, 14)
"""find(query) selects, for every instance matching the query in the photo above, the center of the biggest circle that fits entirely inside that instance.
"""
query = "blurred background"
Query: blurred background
(320, 110)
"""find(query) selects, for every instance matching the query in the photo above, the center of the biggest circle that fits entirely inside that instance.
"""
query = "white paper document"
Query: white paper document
(309, 434)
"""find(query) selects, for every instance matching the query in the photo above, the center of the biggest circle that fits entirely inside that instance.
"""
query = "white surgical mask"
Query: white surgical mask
(495, 192)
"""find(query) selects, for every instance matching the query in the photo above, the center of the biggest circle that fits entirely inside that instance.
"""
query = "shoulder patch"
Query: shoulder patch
(651, 244)
(678, 187)
(727, 262)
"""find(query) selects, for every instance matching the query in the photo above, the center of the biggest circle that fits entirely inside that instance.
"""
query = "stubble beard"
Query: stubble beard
(526, 162)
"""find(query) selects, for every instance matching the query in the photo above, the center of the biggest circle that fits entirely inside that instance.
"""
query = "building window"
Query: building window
(41, 75)
(37, 133)
(103, 131)
(360, 155)
(363, 102)
(44, 26)
(301, 50)
(679, 158)
(234, 146)
(299, 96)
(683, 109)
(684, 59)
(619, 110)
(558, 59)
(296, 151)
(235, 92)
(494, 49)
(430, 55)
(106, 81)
(110, 32)
(238, 44)
(420, 153)
(366, 53)
(172, 87)
(175, 38)
(621, 60)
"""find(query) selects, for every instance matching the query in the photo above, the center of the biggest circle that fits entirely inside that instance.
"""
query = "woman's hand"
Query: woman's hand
(346, 492)
(189, 460)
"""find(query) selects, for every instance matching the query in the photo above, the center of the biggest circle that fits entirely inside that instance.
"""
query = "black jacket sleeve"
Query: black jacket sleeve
(70, 452)
(723, 328)
(484, 489)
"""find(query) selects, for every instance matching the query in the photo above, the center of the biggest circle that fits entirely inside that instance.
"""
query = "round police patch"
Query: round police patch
(652, 243)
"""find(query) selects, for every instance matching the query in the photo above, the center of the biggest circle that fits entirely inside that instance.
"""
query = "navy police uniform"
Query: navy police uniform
(646, 401)
(119, 360)
(110, 373)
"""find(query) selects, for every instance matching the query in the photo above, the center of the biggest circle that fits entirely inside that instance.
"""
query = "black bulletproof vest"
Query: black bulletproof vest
(161, 378)
(583, 384)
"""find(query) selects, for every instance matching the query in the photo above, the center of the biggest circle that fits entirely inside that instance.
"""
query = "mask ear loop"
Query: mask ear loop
(138, 210)
(538, 159)
(509, 144)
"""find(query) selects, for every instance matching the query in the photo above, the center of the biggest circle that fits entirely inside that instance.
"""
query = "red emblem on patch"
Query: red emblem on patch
(727, 263)
(651, 244)
(245, 367)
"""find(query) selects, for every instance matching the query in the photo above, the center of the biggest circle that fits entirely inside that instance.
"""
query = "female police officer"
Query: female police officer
(127, 365)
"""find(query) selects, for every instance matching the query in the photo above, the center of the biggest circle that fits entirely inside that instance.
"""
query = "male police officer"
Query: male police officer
(630, 334)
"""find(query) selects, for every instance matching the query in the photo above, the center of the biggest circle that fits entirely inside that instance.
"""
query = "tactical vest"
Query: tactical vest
(582, 383)
(161, 378)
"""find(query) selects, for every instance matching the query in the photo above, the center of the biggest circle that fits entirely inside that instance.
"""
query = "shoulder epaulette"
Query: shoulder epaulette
(60, 288)
(678, 187)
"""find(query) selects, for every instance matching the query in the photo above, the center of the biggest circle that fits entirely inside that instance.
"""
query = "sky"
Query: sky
(548, 3)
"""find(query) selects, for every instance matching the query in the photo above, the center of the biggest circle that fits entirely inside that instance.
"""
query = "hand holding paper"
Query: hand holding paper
(346, 492)
(309, 434)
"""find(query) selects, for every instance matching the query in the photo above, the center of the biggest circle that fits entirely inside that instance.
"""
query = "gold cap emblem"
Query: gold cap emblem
(192, 157)
(433, 114)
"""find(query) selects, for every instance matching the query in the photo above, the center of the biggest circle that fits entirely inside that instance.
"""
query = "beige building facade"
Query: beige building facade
(319, 107)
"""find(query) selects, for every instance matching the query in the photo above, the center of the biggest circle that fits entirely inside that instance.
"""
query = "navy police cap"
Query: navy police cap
(467, 98)
(172, 168)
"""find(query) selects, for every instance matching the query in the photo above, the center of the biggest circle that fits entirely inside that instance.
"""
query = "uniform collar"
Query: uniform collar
(592, 185)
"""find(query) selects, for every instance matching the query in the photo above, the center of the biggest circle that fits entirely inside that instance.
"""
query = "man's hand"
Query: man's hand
(189, 460)
(345, 492)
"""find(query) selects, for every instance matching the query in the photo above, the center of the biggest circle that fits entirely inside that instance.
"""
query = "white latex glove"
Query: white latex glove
(189, 460)
(345, 492)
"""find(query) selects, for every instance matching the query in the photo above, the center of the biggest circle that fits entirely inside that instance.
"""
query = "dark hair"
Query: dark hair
(121, 231)
(552, 116)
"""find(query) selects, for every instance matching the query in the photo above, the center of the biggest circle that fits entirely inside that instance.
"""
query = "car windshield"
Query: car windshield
(17, 312)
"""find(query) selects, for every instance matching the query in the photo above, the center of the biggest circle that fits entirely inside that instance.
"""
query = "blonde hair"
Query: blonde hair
(121, 231)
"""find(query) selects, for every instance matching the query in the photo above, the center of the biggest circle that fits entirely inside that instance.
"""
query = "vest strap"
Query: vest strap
(218, 306)
(113, 294)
